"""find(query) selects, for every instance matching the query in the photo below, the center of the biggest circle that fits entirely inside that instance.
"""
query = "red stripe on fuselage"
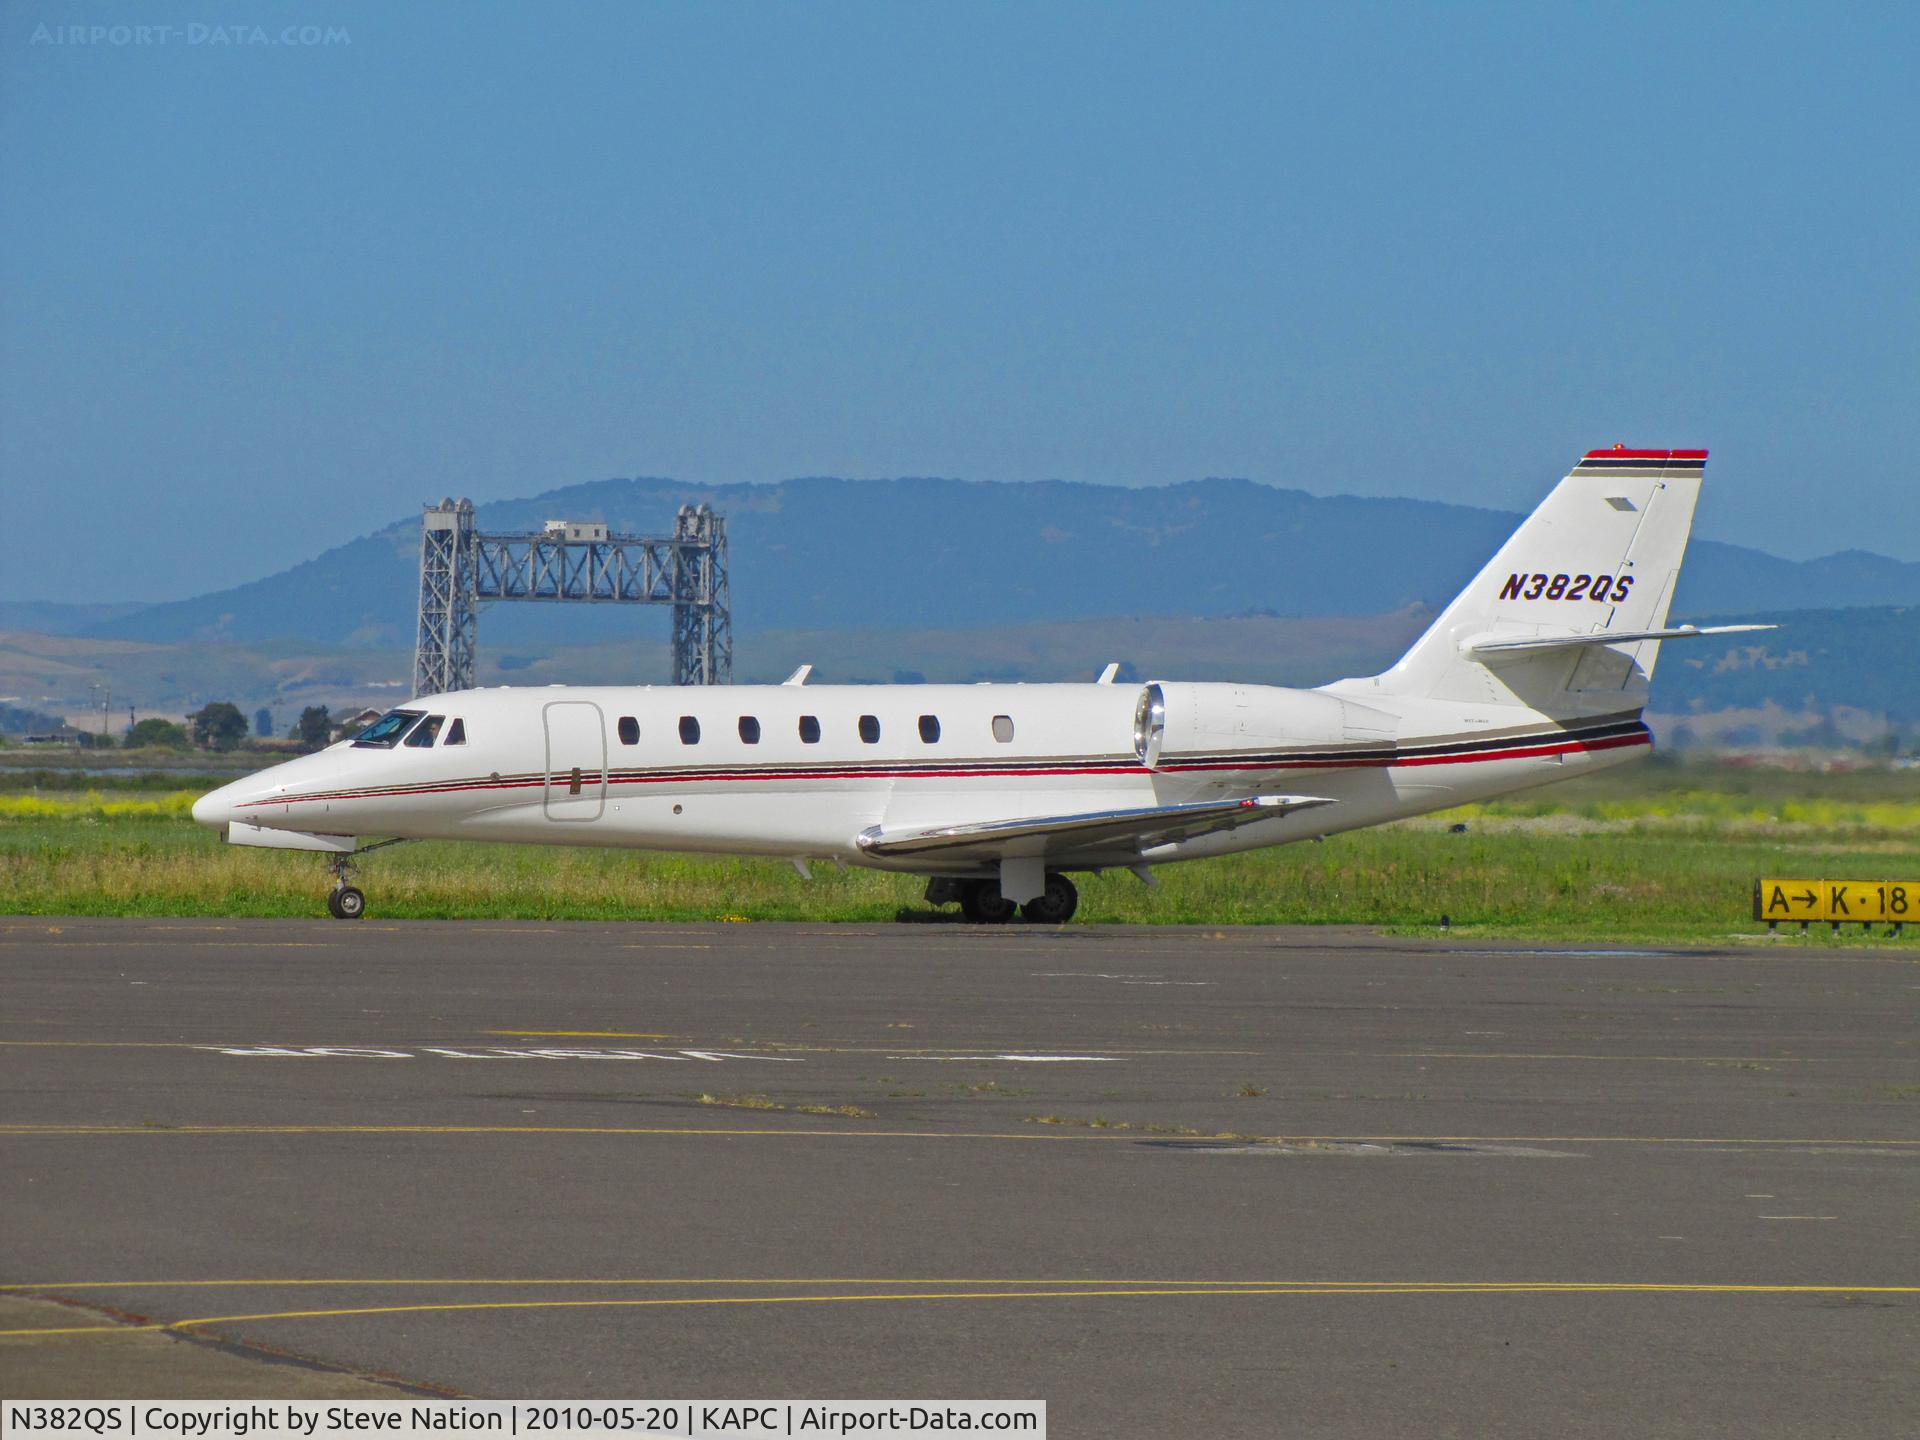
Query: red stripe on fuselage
(1470, 757)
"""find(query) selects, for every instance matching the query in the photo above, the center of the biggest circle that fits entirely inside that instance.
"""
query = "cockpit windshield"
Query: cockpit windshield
(385, 733)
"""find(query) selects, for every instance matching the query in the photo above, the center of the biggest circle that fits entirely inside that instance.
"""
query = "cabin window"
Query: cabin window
(930, 728)
(749, 730)
(426, 732)
(689, 730)
(629, 729)
(870, 729)
(809, 729)
(456, 732)
(385, 733)
(1003, 729)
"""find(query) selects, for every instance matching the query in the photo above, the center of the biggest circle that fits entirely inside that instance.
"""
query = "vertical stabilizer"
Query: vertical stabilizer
(1602, 554)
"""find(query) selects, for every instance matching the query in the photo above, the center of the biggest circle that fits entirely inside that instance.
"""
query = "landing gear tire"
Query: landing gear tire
(346, 903)
(983, 904)
(1053, 906)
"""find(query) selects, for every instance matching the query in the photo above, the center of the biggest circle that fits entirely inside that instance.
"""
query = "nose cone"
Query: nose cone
(215, 808)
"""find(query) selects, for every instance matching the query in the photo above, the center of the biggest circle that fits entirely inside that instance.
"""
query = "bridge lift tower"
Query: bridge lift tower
(572, 562)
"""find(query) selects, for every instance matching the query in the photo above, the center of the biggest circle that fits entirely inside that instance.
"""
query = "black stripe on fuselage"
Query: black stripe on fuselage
(1359, 756)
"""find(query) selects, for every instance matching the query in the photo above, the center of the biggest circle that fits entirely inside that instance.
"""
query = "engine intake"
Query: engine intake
(1192, 720)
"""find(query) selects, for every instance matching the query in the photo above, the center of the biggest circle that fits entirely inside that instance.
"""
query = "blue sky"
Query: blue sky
(257, 297)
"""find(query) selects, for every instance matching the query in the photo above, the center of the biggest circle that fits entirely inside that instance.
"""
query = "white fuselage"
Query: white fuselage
(614, 766)
(1537, 671)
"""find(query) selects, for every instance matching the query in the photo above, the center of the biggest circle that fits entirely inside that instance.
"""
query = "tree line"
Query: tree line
(221, 726)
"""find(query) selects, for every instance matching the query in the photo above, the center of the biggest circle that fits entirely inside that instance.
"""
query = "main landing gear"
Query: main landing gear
(1054, 905)
(983, 904)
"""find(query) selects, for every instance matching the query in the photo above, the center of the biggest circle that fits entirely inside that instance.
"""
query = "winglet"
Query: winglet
(1106, 675)
(798, 677)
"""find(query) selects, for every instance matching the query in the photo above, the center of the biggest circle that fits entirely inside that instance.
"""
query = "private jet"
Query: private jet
(999, 794)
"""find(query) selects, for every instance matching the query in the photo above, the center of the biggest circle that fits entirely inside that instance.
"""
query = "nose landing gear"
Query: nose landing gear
(346, 901)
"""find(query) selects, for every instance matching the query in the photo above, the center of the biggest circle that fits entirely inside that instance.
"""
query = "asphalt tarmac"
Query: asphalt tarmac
(1233, 1183)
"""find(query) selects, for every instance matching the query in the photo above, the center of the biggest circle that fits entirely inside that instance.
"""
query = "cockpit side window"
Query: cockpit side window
(385, 733)
(426, 732)
(456, 732)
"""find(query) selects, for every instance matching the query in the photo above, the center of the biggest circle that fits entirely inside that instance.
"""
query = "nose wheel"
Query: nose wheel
(346, 901)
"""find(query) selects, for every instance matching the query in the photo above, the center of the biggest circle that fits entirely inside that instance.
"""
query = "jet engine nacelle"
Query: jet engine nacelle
(1185, 719)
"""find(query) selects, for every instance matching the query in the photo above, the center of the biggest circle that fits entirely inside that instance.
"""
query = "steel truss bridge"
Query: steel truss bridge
(570, 562)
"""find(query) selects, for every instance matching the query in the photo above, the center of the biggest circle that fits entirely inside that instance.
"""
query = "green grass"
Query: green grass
(22, 781)
(1660, 854)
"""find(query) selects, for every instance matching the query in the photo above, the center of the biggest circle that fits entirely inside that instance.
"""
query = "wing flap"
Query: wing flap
(1140, 829)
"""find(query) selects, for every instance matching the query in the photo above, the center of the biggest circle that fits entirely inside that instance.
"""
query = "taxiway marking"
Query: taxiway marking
(1631, 1059)
(1088, 1136)
(29, 1131)
(1020, 1059)
(584, 1034)
(73, 941)
(1081, 1283)
(491, 1052)
(1069, 1291)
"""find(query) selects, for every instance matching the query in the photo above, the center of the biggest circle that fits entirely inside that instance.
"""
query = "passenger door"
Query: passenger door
(576, 773)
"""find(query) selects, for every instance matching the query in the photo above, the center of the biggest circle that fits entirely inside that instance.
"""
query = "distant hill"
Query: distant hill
(1822, 669)
(945, 554)
(48, 617)
(1819, 661)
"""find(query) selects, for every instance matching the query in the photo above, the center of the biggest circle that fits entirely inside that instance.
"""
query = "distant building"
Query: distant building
(65, 735)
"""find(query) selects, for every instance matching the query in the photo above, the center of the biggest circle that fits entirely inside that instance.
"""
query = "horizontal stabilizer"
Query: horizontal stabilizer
(1098, 830)
(1495, 644)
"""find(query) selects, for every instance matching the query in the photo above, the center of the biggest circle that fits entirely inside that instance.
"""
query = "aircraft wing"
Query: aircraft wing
(1097, 830)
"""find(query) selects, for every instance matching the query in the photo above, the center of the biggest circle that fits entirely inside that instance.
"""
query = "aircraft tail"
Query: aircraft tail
(1568, 617)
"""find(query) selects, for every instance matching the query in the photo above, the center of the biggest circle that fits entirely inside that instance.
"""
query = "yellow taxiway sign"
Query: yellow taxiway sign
(1839, 902)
